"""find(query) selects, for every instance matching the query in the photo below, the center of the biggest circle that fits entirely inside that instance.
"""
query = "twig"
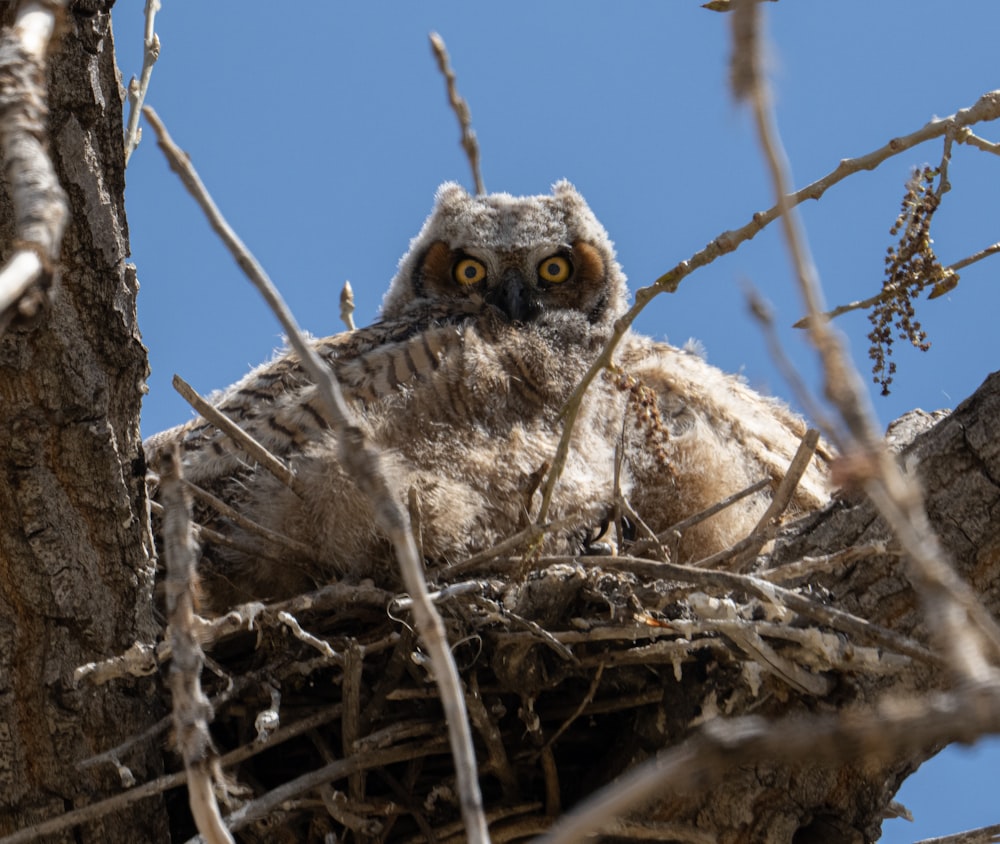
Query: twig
(93, 811)
(987, 107)
(808, 566)
(526, 537)
(324, 648)
(40, 206)
(239, 437)
(461, 108)
(363, 464)
(497, 761)
(767, 526)
(584, 703)
(350, 723)
(644, 546)
(761, 311)
(773, 594)
(972, 259)
(279, 540)
(191, 709)
(339, 769)
(347, 306)
(205, 534)
(949, 602)
(983, 835)
(864, 304)
(137, 90)
(896, 727)
(966, 136)
(138, 661)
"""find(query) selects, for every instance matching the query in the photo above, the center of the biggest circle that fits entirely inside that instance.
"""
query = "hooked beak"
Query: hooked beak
(515, 298)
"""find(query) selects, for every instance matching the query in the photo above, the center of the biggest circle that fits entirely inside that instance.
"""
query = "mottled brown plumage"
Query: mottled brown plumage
(497, 310)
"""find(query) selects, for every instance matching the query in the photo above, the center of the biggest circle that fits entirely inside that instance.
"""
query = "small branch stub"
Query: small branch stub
(40, 206)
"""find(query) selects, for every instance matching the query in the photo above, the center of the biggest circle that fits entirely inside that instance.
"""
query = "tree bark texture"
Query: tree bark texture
(957, 463)
(75, 563)
(76, 572)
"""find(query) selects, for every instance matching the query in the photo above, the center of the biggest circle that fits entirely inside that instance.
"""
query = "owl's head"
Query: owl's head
(527, 257)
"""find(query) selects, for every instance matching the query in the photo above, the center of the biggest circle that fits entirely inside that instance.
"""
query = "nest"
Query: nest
(329, 727)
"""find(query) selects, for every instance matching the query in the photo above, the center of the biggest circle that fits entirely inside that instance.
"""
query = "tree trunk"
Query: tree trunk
(957, 462)
(76, 576)
(75, 563)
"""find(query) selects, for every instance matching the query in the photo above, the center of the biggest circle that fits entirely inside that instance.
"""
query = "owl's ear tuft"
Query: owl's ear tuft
(564, 190)
(450, 193)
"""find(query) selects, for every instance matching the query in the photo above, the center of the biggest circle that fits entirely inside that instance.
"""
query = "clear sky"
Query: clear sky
(322, 131)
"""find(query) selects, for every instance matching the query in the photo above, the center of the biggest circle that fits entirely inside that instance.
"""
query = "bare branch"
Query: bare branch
(137, 90)
(40, 206)
(278, 540)
(950, 272)
(707, 578)
(191, 709)
(461, 108)
(363, 463)
(768, 524)
(987, 107)
(966, 136)
(240, 438)
(949, 603)
(983, 835)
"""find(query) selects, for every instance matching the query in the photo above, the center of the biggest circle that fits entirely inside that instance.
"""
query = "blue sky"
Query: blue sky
(322, 132)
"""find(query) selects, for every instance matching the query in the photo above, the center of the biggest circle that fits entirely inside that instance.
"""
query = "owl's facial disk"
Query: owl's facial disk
(521, 284)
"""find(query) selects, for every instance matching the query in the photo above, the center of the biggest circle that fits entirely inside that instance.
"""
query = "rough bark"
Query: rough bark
(75, 572)
(75, 569)
(957, 462)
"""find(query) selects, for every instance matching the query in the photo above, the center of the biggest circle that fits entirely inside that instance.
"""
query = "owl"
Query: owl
(497, 310)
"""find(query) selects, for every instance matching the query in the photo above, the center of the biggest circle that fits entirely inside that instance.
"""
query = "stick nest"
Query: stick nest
(329, 725)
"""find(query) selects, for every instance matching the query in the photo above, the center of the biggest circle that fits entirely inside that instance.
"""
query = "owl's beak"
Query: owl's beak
(515, 298)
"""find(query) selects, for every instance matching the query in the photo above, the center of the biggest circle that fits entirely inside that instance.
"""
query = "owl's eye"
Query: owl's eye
(469, 271)
(555, 270)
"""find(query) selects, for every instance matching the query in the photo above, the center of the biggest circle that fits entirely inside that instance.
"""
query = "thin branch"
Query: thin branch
(768, 524)
(94, 811)
(363, 464)
(40, 206)
(461, 108)
(279, 540)
(523, 538)
(585, 701)
(809, 566)
(983, 835)
(987, 107)
(323, 647)
(966, 136)
(644, 546)
(239, 437)
(949, 272)
(761, 311)
(949, 603)
(336, 770)
(191, 709)
(972, 259)
(137, 90)
(773, 594)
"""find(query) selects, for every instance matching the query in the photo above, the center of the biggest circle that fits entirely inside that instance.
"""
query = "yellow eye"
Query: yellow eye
(555, 270)
(469, 271)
